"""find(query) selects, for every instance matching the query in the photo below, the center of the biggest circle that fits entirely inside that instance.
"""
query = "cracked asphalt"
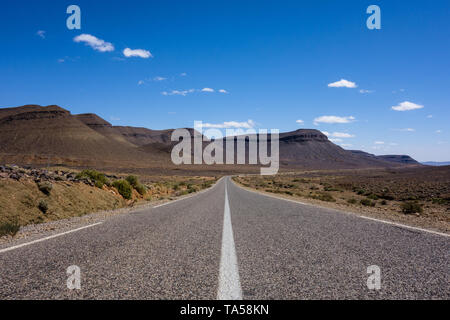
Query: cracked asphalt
(284, 250)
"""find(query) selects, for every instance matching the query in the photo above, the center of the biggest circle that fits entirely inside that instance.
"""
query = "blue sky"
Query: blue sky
(274, 59)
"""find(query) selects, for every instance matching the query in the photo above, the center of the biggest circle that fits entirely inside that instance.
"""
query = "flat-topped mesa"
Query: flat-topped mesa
(92, 120)
(399, 158)
(30, 112)
(303, 135)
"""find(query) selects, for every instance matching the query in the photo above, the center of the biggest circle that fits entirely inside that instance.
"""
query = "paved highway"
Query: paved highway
(230, 243)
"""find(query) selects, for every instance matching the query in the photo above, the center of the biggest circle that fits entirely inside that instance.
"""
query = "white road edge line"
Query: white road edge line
(47, 238)
(229, 283)
(349, 213)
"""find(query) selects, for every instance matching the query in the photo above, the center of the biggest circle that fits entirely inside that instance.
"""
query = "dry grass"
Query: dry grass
(382, 193)
(20, 200)
(23, 202)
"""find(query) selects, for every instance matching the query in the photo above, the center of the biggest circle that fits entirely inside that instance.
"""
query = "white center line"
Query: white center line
(229, 284)
(47, 238)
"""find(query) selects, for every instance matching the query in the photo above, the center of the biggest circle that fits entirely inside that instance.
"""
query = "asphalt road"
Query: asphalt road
(230, 243)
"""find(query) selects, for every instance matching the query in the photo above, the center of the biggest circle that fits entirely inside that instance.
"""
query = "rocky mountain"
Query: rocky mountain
(34, 134)
(399, 158)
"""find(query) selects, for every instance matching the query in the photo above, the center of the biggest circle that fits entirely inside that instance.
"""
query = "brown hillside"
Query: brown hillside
(39, 135)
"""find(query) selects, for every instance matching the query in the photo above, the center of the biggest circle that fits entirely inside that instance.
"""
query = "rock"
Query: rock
(45, 187)
(14, 176)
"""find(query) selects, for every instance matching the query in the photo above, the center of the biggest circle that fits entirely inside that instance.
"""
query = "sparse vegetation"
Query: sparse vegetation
(124, 188)
(372, 196)
(45, 187)
(98, 178)
(323, 196)
(43, 206)
(9, 228)
(134, 182)
(367, 203)
(411, 207)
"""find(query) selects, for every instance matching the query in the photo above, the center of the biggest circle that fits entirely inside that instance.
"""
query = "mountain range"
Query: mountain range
(37, 135)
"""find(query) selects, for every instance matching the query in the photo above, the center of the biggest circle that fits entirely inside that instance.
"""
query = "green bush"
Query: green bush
(410, 207)
(141, 189)
(367, 203)
(134, 182)
(441, 201)
(372, 196)
(124, 188)
(352, 201)
(98, 177)
(45, 187)
(383, 202)
(9, 228)
(323, 196)
(43, 206)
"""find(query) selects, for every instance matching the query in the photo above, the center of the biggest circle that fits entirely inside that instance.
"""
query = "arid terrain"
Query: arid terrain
(36, 135)
(33, 196)
(52, 153)
(414, 195)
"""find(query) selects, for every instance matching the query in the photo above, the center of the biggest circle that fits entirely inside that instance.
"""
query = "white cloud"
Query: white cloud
(406, 130)
(333, 119)
(342, 135)
(379, 142)
(345, 145)
(393, 144)
(141, 53)
(185, 92)
(140, 82)
(438, 131)
(184, 74)
(365, 91)
(177, 92)
(159, 78)
(335, 140)
(429, 116)
(407, 106)
(342, 84)
(94, 42)
(41, 33)
(113, 118)
(300, 121)
(61, 60)
(230, 124)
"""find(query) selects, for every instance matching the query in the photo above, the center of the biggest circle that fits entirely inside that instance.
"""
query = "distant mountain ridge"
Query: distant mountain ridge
(34, 134)
(436, 163)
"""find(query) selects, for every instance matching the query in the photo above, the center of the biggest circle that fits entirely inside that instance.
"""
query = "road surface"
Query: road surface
(230, 243)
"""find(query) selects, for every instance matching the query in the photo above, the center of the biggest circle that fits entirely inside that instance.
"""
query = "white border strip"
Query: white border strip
(47, 238)
(345, 212)
(229, 283)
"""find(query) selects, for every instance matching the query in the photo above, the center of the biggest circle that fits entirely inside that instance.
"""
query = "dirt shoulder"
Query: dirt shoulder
(343, 191)
(43, 200)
